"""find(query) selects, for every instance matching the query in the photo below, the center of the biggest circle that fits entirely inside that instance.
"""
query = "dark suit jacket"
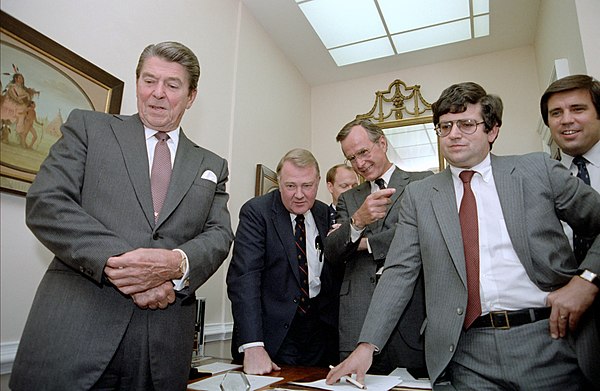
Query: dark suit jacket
(263, 282)
(92, 200)
(535, 193)
(359, 278)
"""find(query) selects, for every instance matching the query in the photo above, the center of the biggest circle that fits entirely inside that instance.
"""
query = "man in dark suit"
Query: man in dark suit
(508, 305)
(116, 308)
(283, 294)
(339, 178)
(367, 215)
(570, 107)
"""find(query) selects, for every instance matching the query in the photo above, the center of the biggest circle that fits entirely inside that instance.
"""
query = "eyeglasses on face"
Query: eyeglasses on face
(466, 126)
(362, 154)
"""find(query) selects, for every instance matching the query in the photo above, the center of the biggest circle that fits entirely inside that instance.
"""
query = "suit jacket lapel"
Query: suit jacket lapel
(131, 138)
(510, 193)
(444, 207)
(283, 226)
(185, 170)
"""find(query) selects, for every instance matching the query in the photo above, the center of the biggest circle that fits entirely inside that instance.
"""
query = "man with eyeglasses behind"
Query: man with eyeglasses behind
(366, 217)
(506, 306)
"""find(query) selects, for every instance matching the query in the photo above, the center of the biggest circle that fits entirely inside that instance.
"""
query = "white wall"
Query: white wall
(558, 36)
(510, 74)
(252, 107)
(588, 14)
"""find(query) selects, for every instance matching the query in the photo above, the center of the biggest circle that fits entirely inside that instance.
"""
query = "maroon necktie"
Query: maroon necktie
(470, 235)
(161, 172)
(300, 239)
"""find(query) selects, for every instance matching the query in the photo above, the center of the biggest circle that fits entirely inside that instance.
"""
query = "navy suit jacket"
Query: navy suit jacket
(263, 282)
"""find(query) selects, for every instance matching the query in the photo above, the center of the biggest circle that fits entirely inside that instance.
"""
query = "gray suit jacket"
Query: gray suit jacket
(92, 200)
(359, 280)
(535, 193)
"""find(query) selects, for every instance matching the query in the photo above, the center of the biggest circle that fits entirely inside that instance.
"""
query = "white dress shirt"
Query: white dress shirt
(503, 281)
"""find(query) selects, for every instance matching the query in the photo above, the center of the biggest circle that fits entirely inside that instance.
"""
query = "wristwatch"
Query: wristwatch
(590, 277)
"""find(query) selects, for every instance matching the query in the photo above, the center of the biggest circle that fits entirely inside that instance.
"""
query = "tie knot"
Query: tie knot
(466, 176)
(380, 182)
(161, 136)
(579, 161)
(300, 219)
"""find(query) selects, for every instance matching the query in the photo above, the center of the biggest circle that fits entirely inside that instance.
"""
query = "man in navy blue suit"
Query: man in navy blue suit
(284, 312)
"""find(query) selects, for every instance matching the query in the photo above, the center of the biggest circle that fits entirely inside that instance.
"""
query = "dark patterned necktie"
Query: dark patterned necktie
(300, 239)
(581, 241)
(380, 182)
(161, 172)
(470, 235)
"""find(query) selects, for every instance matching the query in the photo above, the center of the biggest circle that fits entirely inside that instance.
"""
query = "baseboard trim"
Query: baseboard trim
(214, 332)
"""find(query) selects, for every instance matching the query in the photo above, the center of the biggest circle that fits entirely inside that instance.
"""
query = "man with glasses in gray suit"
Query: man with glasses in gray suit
(507, 304)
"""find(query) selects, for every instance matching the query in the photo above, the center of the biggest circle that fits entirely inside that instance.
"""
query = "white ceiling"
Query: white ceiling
(512, 24)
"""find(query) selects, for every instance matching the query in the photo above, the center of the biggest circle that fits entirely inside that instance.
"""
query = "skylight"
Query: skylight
(361, 30)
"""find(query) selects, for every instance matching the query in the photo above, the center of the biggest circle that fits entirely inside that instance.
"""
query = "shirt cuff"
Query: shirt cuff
(250, 345)
(182, 282)
(355, 234)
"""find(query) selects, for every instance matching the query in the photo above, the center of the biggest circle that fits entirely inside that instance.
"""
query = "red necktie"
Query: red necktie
(470, 235)
(161, 172)
(300, 239)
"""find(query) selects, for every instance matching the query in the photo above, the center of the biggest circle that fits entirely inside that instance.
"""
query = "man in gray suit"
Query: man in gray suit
(367, 215)
(518, 314)
(116, 307)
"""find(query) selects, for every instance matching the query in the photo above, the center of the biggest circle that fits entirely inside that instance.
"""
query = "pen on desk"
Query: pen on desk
(351, 381)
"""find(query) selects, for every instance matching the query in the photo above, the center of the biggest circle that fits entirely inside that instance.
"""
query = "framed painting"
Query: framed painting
(41, 82)
(266, 180)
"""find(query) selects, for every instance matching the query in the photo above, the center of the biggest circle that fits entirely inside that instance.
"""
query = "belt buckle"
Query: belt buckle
(492, 317)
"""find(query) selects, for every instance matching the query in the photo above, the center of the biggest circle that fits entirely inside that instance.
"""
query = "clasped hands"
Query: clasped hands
(145, 274)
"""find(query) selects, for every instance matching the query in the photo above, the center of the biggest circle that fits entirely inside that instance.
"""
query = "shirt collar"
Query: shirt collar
(592, 156)
(387, 176)
(484, 168)
(173, 134)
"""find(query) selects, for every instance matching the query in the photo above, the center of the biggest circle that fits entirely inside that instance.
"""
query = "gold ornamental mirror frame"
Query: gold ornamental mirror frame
(402, 106)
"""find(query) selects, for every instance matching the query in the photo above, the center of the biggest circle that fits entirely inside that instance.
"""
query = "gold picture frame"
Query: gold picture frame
(266, 180)
(41, 82)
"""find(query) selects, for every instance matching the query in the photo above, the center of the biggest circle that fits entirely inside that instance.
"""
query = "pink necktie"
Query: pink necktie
(161, 172)
(470, 234)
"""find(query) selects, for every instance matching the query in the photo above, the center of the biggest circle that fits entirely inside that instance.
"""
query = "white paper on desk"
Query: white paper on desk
(409, 381)
(212, 383)
(372, 382)
(217, 367)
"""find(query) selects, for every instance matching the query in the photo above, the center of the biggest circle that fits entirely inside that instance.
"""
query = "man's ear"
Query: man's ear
(330, 187)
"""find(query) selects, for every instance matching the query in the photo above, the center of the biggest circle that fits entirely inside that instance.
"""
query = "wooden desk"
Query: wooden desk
(290, 373)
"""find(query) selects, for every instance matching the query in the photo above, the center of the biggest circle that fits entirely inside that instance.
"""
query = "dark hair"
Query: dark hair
(330, 177)
(568, 83)
(174, 52)
(455, 98)
(373, 131)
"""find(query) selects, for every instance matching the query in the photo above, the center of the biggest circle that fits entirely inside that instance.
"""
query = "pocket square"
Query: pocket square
(209, 175)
